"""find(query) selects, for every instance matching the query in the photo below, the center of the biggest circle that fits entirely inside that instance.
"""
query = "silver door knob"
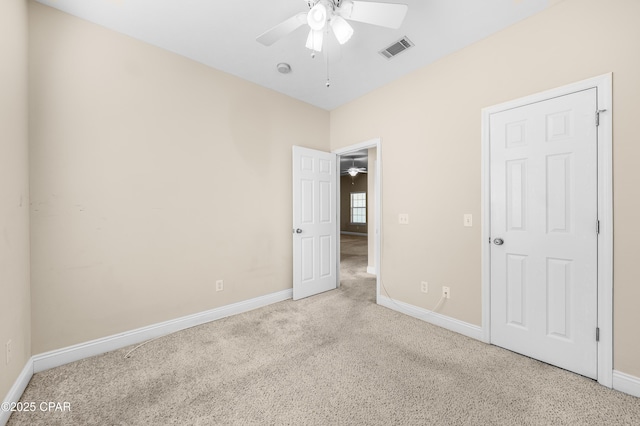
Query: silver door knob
(298, 231)
(498, 241)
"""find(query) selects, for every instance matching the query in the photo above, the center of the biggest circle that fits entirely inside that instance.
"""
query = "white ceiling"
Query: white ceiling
(222, 34)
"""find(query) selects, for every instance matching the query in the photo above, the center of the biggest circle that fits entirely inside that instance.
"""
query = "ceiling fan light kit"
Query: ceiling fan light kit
(317, 17)
(341, 29)
(314, 40)
(346, 8)
(320, 20)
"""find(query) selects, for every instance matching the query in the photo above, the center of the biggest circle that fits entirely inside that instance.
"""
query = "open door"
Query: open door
(314, 222)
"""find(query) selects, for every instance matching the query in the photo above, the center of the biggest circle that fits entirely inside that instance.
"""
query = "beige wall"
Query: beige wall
(152, 177)
(429, 122)
(348, 185)
(15, 311)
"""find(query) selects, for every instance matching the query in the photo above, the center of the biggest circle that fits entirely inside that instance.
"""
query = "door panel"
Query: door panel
(544, 207)
(558, 192)
(516, 289)
(559, 285)
(314, 222)
(516, 194)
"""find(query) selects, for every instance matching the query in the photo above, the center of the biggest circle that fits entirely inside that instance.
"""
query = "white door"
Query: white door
(314, 222)
(544, 231)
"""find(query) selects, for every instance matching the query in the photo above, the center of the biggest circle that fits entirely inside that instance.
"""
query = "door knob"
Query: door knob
(498, 241)
(298, 231)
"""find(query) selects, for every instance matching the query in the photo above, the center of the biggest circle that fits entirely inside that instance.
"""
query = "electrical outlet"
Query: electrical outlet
(219, 285)
(424, 287)
(9, 348)
(446, 292)
(403, 218)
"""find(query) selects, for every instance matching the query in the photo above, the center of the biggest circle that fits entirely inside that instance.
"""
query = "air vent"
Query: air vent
(399, 46)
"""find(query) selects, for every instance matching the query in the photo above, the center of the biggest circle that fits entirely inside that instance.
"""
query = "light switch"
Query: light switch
(403, 218)
(468, 219)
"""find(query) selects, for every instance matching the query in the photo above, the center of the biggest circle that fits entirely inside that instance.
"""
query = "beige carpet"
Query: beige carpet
(333, 359)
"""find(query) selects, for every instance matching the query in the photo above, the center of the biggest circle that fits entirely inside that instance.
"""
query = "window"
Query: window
(358, 207)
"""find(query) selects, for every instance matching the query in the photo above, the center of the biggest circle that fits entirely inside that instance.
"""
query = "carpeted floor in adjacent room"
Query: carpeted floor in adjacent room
(333, 359)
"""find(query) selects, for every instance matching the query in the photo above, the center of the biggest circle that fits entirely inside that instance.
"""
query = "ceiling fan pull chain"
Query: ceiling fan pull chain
(326, 61)
(313, 43)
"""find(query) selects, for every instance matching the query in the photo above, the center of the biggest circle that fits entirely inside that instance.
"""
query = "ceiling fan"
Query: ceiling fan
(333, 14)
(353, 170)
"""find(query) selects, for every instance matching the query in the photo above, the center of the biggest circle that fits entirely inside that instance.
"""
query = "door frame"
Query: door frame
(603, 86)
(371, 143)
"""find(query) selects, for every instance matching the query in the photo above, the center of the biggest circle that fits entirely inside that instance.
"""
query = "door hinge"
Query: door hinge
(597, 334)
(597, 226)
(598, 116)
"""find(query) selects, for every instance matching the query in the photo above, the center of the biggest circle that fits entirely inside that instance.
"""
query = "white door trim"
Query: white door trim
(371, 143)
(603, 84)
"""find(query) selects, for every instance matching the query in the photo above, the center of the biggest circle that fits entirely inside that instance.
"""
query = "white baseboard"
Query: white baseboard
(358, 234)
(464, 328)
(17, 389)
(69, 354)
(371, 270)
(626, 383)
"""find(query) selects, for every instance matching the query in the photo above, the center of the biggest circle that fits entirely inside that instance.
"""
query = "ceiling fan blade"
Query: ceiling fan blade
(388, 15)
(284, 28)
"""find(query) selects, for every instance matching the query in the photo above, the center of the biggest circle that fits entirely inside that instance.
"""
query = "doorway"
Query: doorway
(355, 216)
(316, 224)
(359, 223)
(547, 280)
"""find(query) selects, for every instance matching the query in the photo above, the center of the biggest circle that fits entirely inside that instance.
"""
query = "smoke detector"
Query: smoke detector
(284, 68)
